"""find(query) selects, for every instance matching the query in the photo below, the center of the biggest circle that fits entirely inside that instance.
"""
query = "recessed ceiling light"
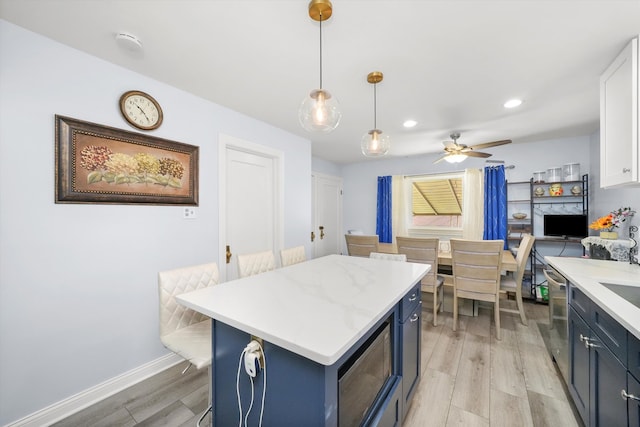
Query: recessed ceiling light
(512, 103)
(409, 123)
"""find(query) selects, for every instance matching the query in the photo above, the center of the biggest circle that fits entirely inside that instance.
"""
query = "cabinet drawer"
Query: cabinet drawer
(633, 355)
(579, 301)
(409, 302)
(610, 332)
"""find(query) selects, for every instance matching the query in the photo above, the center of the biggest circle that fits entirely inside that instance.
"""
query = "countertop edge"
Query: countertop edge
(587, 281)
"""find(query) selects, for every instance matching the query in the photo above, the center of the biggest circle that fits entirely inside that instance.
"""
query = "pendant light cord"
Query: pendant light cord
(320, 50)
(375, 103)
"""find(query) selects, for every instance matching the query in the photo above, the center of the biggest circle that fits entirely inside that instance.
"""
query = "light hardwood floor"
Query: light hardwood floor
(468, 379)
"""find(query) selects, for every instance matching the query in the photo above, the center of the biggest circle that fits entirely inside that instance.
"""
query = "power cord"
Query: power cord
(251, 357)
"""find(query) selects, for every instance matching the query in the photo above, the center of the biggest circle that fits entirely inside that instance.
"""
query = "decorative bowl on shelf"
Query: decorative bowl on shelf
(539, 191)
(519, 215)
(576, 190)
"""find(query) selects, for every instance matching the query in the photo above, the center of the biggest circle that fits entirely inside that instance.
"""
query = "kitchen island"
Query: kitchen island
(314, 319)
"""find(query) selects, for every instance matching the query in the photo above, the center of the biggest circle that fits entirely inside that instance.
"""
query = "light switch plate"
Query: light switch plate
(189, 213)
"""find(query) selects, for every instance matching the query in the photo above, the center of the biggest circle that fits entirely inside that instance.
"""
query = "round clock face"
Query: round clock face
(141, 110)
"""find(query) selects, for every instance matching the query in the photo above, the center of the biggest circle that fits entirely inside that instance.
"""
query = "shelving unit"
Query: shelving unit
(522, 197)
(569, 202)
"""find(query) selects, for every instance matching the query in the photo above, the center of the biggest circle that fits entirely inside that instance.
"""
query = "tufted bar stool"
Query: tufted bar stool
(182, 330)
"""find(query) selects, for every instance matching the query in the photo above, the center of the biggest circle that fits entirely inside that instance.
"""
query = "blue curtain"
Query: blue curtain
(495, 204)
(383, 211)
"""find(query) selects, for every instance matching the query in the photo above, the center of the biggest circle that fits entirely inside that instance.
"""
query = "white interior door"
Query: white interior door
(250, 214)
(327, 213)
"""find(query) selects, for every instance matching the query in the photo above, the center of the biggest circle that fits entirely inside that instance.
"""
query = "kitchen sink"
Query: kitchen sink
(628, 292)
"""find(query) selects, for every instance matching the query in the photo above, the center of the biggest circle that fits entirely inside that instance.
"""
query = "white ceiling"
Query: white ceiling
(448, 64)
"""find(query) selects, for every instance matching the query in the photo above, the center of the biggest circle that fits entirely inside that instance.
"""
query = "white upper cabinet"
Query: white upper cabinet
(619, 120)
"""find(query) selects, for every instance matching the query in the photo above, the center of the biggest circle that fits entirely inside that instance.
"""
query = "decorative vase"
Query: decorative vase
(611, 235)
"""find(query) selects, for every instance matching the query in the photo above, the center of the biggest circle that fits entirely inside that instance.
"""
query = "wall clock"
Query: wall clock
(141, 110)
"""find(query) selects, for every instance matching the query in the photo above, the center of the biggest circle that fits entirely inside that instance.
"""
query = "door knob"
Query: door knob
(321, 232)
(228, 254)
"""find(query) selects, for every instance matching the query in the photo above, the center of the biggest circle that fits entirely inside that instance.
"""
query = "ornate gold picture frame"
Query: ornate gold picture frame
(101, 164)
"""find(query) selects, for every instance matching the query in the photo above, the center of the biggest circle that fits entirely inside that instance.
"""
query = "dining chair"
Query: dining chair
(182, 330)
(425, 250)
(390, 257)
(293, 255)
(476, 268)
(255, 263)
(512, 283)
(361, 245)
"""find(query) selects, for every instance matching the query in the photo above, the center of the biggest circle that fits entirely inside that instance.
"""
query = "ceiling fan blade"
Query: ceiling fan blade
(441, 159)
(477, 154)
(490, 144)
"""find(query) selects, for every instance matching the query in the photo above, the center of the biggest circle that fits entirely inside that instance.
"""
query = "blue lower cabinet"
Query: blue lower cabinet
(608, 379)
(579, 364)
(597, 364)
(633, 402)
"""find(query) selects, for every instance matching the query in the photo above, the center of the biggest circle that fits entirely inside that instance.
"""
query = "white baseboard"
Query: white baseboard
(86, 398)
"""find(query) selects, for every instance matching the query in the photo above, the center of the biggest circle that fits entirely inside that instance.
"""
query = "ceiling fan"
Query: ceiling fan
(456, 153)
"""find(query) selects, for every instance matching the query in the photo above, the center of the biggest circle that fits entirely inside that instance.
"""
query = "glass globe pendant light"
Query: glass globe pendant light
(374, 144)
(319, 111)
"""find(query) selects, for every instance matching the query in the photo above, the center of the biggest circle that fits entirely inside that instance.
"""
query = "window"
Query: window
(436, 203)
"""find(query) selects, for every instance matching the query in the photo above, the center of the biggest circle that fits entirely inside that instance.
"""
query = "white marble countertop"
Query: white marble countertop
(587, 274)
(317, 309)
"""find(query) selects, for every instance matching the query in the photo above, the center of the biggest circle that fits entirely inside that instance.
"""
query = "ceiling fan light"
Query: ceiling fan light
(455, 158)
(375, 144)
(319, 112)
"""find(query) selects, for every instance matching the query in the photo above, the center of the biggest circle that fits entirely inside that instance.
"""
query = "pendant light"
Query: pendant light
(319, 111)
(374, 144)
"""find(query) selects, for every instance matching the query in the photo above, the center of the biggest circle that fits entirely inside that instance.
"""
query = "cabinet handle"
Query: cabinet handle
(413, 297)
(625, 170)
(586, 342)
(415, 317)
(626, 396)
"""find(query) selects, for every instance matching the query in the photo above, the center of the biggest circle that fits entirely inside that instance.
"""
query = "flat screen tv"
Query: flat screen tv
(565, 226)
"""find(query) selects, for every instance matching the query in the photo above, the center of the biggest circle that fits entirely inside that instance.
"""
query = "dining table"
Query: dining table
(444, 256)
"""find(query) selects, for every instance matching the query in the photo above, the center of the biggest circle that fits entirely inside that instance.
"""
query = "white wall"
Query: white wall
(360, 179)
(78, 283)
(326, 167)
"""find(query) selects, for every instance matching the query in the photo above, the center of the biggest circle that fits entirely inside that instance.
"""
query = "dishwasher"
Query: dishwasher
(558, 343)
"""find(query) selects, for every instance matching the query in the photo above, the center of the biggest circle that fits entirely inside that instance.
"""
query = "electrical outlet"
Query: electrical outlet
(261, 342)
(189, 213)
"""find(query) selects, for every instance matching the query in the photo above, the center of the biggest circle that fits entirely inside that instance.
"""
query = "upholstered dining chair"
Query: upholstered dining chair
(476, 274)
(182, 330)
(512, 283)
(361, 245)
(390, 257)
(425, 250)
(255, 263)
(293, 255)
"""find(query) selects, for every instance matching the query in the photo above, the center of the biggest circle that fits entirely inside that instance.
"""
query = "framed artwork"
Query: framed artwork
(101, 164)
